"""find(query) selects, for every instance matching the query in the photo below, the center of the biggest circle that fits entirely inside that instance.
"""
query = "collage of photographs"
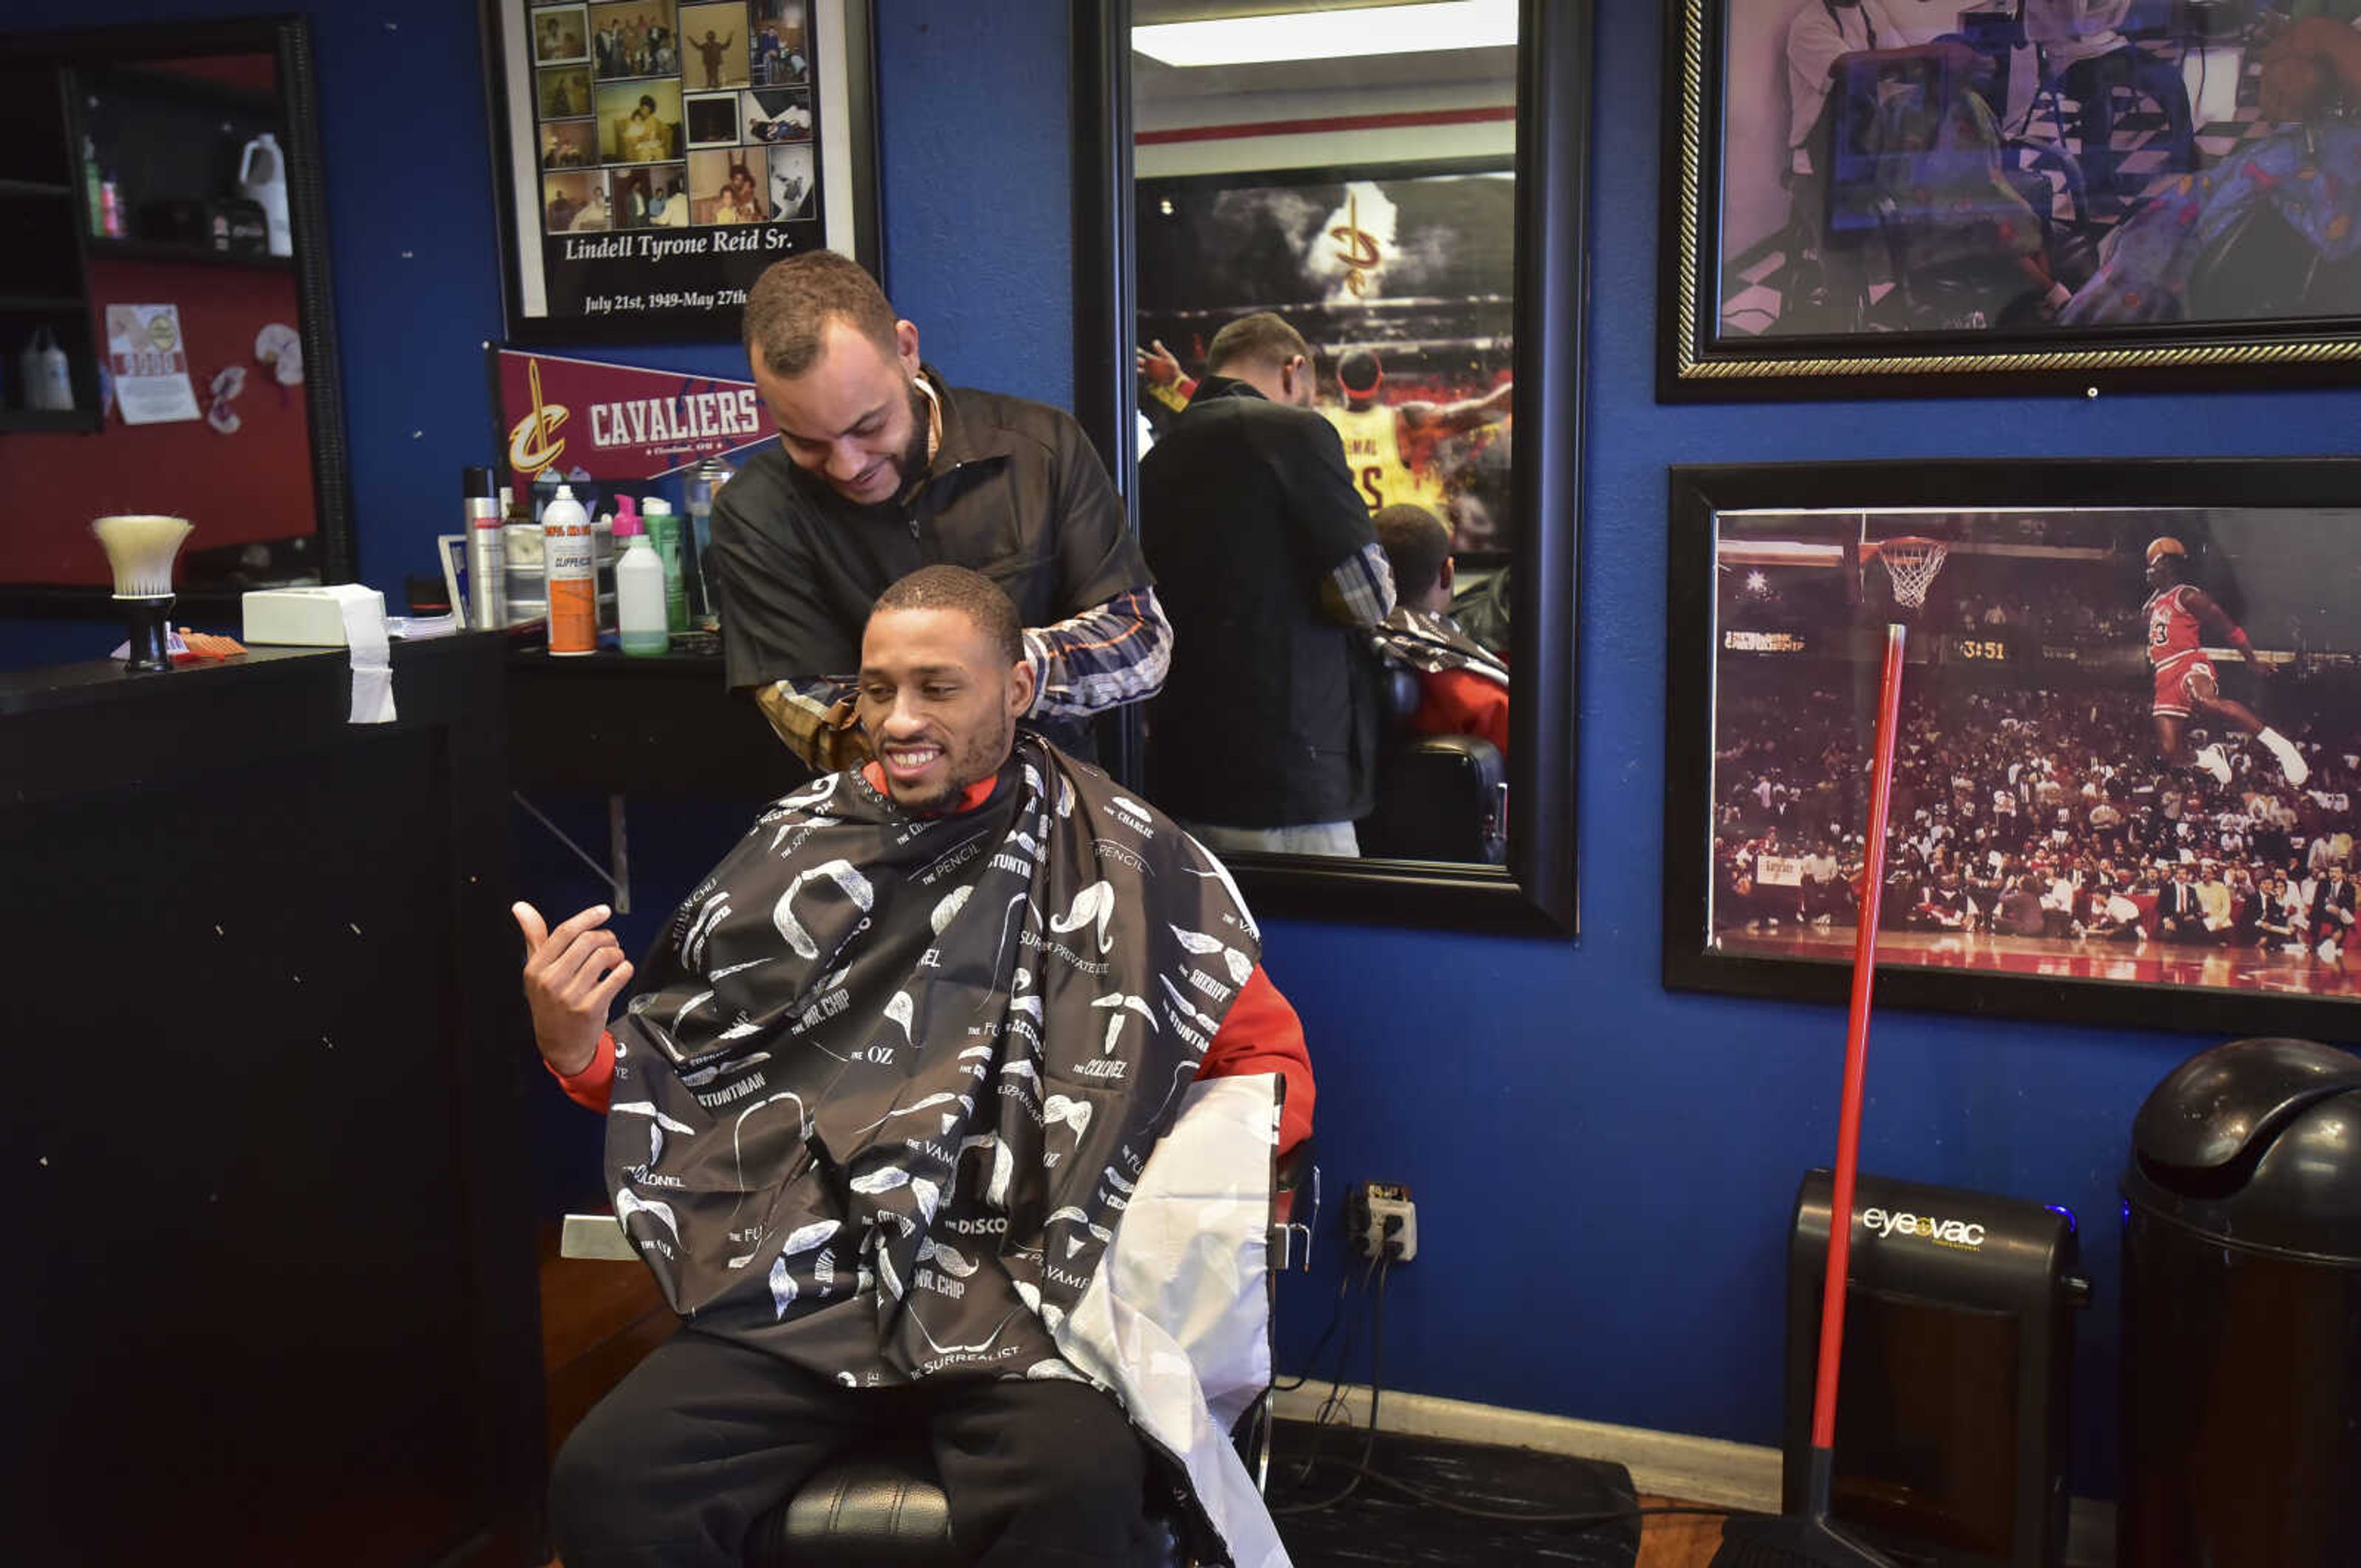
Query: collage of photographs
(657, 114)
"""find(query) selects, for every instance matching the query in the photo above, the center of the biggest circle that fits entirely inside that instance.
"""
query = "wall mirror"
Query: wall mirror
(169, 166)
(1417, 215)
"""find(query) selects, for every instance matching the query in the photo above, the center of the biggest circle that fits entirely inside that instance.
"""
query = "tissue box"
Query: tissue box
(302, 617)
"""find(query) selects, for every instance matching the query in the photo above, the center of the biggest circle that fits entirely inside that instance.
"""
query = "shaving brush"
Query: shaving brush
(141, 549)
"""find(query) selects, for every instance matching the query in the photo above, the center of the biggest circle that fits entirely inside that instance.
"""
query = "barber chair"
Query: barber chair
(2265, 267)
(1440, 798)
(882, 1505)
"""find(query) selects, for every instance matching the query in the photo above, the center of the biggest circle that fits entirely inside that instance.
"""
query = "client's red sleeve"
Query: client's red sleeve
(1460, 702)
(1261, 1033)
(590, 1087)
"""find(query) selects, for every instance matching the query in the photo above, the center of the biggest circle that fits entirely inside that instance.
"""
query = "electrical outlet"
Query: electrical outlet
(1380, 1221)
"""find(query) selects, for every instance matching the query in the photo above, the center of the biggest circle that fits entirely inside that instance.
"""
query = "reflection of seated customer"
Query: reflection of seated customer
(1922, 169)
(1463, 687)
(2309, 175)
(874, 1115)
(1266, 735)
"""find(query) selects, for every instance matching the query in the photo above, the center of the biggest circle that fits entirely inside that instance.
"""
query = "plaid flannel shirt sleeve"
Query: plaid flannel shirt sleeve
(814, 719)
(1113, 653)
(1359, 591)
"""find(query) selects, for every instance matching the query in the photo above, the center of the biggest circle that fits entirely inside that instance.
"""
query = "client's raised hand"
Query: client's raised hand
(572, 975)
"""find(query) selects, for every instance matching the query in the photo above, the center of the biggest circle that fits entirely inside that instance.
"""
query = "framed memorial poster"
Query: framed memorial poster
(654, 156)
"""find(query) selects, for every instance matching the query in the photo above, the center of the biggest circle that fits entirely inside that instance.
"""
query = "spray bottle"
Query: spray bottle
(570, 556)
(664, 537)
(487, 569)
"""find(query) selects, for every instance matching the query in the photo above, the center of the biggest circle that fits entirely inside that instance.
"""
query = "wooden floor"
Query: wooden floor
(599, 1318)
(1678, 1541)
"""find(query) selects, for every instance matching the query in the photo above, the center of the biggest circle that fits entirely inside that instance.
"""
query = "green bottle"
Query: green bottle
(664, 535)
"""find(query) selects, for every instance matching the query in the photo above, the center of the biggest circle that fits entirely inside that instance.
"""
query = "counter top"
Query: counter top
(96, 681)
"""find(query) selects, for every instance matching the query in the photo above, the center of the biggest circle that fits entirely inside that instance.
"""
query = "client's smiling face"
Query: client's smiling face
(940, 701)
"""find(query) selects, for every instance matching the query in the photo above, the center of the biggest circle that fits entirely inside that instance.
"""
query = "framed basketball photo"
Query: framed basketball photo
(2127, 780)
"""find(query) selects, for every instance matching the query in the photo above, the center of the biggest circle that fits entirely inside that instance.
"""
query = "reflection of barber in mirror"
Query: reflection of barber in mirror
(1266, 736)
(972, 928)
(1395, 449)
(1463, 687)
(883, 467)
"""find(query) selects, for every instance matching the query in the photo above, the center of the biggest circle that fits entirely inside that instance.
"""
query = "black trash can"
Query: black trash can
(2241, 1313)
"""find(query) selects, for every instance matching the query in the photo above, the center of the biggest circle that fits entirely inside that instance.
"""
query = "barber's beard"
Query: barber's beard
(913, 464)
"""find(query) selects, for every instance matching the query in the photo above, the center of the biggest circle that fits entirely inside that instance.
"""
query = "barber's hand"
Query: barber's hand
(1158, 364)
(572, 975)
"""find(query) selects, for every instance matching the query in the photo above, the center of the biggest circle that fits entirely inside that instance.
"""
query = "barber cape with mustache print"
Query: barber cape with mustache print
(892, 1078)
(1423, 641)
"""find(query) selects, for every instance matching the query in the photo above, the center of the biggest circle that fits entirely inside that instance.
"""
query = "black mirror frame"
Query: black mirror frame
(1534, 892)
(289, 39)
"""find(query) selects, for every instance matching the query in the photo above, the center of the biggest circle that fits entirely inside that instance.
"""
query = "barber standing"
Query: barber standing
(1266, 737)
(883, 468)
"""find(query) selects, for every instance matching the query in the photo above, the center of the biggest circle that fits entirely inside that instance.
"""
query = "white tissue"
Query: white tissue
(364, 612)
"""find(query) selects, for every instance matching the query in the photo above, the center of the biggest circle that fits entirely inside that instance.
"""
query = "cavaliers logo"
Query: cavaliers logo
(534, 444)
(1357, 247)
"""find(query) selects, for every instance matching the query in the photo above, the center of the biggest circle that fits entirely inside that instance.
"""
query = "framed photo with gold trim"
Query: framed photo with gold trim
(1936, 197)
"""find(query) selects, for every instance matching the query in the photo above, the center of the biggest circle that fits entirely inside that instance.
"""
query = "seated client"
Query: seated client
(883, 1090)
(1463, 685)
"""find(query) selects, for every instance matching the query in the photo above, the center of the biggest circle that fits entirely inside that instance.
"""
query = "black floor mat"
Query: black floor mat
(1378, 1525)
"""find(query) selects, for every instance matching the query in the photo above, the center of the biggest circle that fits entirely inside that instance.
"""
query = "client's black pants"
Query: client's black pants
(671, 1468)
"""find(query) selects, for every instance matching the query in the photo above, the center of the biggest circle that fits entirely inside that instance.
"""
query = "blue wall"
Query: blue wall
(1603, 1170)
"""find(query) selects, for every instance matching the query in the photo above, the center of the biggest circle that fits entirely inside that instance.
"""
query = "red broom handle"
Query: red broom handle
(1864, 975)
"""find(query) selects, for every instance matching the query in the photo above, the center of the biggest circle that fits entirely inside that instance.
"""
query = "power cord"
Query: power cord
(1383, 1265)
(1333, 1409)
(1336, 1316)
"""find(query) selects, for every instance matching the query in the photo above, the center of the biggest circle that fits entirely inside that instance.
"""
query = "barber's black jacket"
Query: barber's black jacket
(1015, 491)
(1269, 716)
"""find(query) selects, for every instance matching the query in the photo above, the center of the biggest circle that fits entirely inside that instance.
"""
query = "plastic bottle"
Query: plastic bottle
(488, 586)
(568, 554)
(90, 182)
(49, 380)
(639, 586)
(664, 536)
(262, 177)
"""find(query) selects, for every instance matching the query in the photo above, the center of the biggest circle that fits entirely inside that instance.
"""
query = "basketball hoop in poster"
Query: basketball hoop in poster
(588, 420)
